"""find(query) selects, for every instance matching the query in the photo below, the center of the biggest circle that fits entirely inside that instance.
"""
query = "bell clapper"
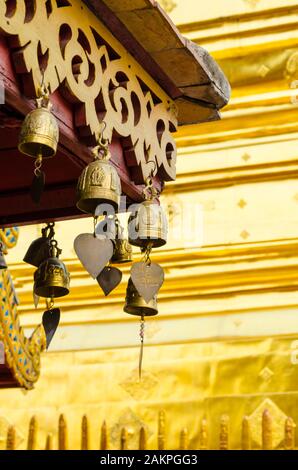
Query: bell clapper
(142, 336)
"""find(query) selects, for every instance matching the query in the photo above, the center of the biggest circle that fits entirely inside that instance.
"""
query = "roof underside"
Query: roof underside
(185, 70)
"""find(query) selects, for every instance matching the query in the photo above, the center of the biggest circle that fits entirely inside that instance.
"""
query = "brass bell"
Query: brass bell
(39, 250)
(122, 252)
(52, 278)
(3, 264)
(40, 131)
(99, 183)
(136, 305)
(148, 226)
(122, 249)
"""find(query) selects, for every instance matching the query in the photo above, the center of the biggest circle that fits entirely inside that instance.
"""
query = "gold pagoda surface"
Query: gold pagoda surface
(225, 341)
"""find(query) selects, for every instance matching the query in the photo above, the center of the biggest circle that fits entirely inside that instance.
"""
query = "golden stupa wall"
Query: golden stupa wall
(226, 339)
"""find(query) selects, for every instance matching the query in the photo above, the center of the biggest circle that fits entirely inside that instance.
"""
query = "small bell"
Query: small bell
(122, 249)
(39, 139)
(99, 183)
(39, 250)
(122, 252)
(52, 278)
(40, 131)
(136, 305)
(148, 225)
(3, 264)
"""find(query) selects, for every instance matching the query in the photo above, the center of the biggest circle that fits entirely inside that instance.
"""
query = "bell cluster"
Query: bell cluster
(105, 248)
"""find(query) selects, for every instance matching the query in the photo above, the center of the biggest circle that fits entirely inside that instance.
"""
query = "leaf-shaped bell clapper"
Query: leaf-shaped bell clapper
(99, 184)
(52, 277)
(40, 131)
(3, 264)
(39, 250)
(136, 305)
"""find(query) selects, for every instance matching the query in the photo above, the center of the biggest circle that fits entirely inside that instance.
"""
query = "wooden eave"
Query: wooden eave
(185, 70)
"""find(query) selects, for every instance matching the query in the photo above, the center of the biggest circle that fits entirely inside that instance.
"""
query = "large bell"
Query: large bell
(99, 184)
(39, 250)
(148, 225)
(3, 264)
(136, 305)
(39, 134)
(51, 278)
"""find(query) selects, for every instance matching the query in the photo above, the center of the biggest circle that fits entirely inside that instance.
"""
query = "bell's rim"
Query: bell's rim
(141, 311)
(52, 291)
(33, 149)
(143, 242)
(89, 205)
(121, 260)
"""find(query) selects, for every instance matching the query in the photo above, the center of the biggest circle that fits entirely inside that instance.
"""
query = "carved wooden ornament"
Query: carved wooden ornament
(96, 75)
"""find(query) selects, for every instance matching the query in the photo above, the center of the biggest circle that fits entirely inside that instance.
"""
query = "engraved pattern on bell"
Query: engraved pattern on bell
(98, 184)
(148, 225)
(136, 305)
(39, 134)
(51, 279)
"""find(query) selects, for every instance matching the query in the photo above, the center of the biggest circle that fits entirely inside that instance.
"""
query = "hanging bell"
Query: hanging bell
(148, 225)
(40, 131)
(99, 183)
(122, 252)
(39, 250)
(122, 248)
(52, 278)
(3, 264)
(136, 305)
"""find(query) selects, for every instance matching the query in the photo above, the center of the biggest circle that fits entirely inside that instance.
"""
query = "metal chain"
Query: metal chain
(50, 303)
(37, 166)
(147, 253)
(142, 337)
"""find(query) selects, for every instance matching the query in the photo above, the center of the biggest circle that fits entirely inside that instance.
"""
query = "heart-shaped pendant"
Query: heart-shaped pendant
(50, 321)
(109, 279)
(147, 279)
(93, 253)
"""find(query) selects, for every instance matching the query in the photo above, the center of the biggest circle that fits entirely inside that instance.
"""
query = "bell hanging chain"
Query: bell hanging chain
(142, 337)
(147, 252)
(38, 182)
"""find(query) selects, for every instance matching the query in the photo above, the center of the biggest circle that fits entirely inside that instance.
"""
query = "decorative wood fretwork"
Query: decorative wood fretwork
(96, 75)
